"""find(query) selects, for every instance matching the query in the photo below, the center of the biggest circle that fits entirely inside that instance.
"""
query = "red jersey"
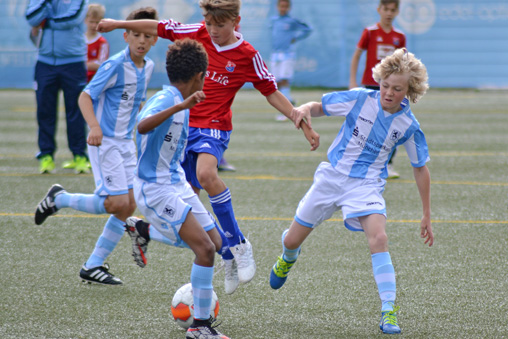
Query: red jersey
(98, 51)
(379, 45)
(229, 68)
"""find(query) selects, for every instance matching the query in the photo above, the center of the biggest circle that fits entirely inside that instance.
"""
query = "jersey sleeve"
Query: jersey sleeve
(174, 30)
(260, 77)
(364, 40)
(417, 149)
(104, 78)
(339, 103)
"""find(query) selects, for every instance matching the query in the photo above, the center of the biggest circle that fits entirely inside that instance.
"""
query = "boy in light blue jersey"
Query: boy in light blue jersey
(110, 104)
(354, 178)
(176, 215)
(286, 31)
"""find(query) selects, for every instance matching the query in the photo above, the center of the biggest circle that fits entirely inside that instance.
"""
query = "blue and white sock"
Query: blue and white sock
(224, 251)
(158, 236)
(223, 208)
(287, 254)
(384, 274)
(89, 203)
(111, 235)
(202, 290)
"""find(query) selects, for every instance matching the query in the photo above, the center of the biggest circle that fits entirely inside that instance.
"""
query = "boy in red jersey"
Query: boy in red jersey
(380, 41)
(98, 46)
(232, 63)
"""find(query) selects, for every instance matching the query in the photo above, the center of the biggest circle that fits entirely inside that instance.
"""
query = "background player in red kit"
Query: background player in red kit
(98, 46)
(380, 41)
(232, 63)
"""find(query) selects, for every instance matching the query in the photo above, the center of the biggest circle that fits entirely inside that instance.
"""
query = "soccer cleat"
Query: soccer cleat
(388, 323)
(231, 280)
(46, 164)
(279, 272)
(78, 161)
(392, 174)
(225, 166)
(47, 205)
(99, 275)
(204, 329)
(139, 243)
(281, 117)
(244, 260)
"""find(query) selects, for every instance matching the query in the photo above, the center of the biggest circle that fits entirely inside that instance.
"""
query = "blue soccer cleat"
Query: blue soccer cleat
(388, 323)
(279, 273)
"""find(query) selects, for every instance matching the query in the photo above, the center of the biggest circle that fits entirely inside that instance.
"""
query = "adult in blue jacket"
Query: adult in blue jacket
(60, 65)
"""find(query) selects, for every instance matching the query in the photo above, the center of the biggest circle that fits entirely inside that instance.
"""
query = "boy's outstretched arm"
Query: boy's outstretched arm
(282, 104)
(145, 26)
(422, 178)
(153, 121)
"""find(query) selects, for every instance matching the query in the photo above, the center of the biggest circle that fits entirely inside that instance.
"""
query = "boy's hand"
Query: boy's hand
(300, 114)
(106, 25)
(311, 136)
(193, 99)
(426, 231)
(95, 136)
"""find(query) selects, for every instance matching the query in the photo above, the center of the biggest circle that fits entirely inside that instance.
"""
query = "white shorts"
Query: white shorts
(332, 190)
(166, 207)
(113, 164)
(282, 65)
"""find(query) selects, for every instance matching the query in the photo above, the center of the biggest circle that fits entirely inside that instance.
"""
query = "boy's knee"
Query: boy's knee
(118, 205)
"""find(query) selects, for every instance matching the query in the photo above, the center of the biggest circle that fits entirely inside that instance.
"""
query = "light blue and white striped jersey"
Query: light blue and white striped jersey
(161, 150)
(287, 30)
(369, 135)
(117, 90)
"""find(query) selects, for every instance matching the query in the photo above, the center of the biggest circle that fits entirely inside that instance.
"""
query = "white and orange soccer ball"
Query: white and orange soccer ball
(182, 306)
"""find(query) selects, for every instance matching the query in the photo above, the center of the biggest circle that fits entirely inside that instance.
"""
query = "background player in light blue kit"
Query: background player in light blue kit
(354, 178)
(286, 30)
(161, 190)
(109, 104)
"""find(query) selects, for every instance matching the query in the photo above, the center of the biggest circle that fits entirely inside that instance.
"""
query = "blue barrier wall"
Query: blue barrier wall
(463, 43)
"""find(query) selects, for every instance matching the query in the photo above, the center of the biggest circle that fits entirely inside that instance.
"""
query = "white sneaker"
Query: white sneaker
(231, 280)
(245, 261)
(392, 174)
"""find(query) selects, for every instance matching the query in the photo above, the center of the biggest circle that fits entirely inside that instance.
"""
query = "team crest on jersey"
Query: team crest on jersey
(395, 135)
(230, 67)
(396, 41)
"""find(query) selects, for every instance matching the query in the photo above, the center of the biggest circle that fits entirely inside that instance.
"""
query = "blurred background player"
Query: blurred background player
(380, 41)
(98, 46)
(61, 57)
(110, 104)
(353, 177)
(98, 52)
(232, 63)
(286, 30)
(160, 181)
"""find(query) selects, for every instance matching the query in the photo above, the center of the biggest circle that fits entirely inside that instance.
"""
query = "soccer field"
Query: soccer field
(456, 289)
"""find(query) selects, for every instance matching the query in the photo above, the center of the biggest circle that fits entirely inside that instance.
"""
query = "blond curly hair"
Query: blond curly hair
(404, 62)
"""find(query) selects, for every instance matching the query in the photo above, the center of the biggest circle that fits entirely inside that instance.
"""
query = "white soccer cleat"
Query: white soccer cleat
(244, 260)
(231, 280)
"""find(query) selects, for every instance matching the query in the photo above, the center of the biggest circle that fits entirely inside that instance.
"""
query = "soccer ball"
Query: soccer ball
(182, 306)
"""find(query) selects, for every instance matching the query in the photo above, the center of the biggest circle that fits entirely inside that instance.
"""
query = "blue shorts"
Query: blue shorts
(203, 140)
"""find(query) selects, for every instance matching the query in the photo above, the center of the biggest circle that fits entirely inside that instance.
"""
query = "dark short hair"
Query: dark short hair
(143, 13)
(387, 2)
(184, 59)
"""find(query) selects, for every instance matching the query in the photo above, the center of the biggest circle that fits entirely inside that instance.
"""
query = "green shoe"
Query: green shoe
(46, 164)
(82, 165)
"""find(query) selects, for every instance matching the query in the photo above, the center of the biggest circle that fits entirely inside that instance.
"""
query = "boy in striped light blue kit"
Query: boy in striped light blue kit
(354, 178)
(176, 215)
(110, 104)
